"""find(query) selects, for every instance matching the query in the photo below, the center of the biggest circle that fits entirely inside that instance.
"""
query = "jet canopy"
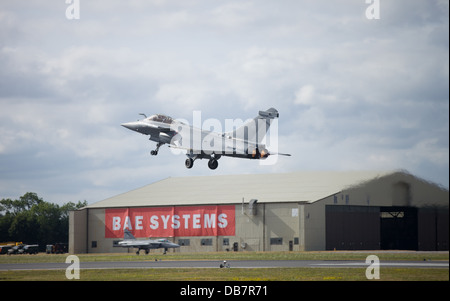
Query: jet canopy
(161, 118)
(163, 240)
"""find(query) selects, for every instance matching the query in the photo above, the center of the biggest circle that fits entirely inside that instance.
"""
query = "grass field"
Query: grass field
(260, 274)
(318, 255)
(234, 274)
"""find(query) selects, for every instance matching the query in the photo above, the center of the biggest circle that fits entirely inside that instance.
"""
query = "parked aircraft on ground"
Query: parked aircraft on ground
(129, 241)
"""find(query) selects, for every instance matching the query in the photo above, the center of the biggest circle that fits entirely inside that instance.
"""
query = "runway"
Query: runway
(215, 264)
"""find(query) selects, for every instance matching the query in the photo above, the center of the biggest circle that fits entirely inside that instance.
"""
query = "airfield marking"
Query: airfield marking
(215, 264)
(392, 264)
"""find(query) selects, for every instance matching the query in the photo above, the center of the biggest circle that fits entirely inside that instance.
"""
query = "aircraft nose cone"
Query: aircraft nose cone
(130, 125)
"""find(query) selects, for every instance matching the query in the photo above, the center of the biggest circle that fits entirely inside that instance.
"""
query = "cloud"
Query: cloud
(305, 95)
(352, 93)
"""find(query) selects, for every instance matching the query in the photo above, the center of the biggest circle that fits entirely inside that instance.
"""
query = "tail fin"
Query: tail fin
(127, 235)
(254, 130)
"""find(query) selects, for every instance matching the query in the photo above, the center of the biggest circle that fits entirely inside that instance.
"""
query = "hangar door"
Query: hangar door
(433, 229)
(352, 227)
(398, 228)
(372, 228)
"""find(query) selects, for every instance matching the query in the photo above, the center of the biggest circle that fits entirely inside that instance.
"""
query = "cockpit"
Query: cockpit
(161, 118)
(163, 240)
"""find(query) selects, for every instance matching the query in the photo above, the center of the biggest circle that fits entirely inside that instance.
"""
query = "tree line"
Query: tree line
(32, 220)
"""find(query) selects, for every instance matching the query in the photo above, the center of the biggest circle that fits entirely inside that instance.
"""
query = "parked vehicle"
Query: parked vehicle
(57, 248)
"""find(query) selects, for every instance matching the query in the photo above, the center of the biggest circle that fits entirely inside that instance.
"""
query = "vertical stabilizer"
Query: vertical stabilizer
(127, 235)
(255, 130)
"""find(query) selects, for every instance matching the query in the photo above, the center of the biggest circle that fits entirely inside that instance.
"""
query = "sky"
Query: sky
(358, 86)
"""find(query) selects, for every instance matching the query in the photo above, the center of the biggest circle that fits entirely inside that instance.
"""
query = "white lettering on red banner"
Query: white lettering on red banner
(171, 221)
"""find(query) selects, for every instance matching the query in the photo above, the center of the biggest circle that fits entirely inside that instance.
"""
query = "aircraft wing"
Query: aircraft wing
(137, 244)
(144, 244)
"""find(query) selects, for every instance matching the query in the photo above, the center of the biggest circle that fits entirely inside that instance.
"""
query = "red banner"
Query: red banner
(171, 221)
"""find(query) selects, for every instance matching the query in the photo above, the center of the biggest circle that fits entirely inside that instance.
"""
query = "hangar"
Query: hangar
(298, 211)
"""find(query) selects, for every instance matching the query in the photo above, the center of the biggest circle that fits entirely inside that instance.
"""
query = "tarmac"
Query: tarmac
(216, 264)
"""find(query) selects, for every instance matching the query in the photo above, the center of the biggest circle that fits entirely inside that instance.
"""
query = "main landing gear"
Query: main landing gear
(212, 163)
(146, 251)
(189, 163)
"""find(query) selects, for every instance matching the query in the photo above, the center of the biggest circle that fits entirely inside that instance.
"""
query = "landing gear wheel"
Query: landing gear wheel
(155, 152)
(212, 164)
(189, 163)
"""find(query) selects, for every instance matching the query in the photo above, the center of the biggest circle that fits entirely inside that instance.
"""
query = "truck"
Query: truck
(56, 248)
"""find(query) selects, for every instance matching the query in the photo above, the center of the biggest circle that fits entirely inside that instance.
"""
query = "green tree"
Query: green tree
(64, 218)
(24, 227)
(32, 220)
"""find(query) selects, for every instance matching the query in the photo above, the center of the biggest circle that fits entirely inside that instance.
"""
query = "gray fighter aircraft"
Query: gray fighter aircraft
(129, 241)
(244, 142)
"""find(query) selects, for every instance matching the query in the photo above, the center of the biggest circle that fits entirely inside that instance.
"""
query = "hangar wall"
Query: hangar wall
(349, 218)
(422, 210)
(397, 189)
(269, 227)
(78, 231)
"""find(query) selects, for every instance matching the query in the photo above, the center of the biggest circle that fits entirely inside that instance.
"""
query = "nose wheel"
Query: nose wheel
(155, 152)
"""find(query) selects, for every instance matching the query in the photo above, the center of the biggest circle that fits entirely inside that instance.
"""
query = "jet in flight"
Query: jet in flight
(129, 241)
(244, 142)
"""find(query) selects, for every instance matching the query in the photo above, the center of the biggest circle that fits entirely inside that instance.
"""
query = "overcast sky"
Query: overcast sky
(353, 93)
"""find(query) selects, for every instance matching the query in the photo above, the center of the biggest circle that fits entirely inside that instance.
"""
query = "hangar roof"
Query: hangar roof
(308, 187)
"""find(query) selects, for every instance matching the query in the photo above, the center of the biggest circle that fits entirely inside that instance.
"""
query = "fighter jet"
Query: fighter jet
(129, 241)
(244, 142)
